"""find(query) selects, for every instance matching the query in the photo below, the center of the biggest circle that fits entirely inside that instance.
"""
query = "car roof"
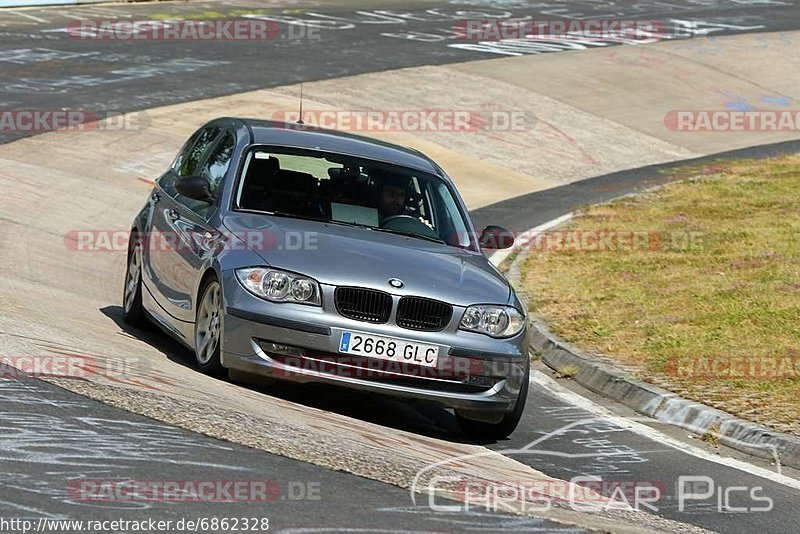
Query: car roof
(267, 132)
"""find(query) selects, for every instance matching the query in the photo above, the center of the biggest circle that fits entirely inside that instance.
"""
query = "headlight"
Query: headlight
(495, 321)
(280, 286)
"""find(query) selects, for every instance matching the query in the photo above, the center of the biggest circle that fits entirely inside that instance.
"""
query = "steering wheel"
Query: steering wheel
(407, 223)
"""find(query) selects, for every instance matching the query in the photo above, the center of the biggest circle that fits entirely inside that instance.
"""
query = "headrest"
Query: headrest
(264, 167)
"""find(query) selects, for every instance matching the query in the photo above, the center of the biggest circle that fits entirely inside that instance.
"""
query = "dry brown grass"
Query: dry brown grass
(723, 286)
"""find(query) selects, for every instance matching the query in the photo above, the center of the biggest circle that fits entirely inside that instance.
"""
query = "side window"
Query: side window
(218, 162)
(191, 156)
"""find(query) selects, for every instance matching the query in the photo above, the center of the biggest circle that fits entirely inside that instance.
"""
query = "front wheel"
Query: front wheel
(481, 431)
(208, 329)
(132, 309)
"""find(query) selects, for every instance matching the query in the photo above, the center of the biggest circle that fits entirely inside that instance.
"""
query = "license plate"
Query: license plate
(387, 348)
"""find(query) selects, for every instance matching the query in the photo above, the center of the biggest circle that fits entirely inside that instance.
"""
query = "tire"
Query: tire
(208, 328)
(482, 432)
(132, 310)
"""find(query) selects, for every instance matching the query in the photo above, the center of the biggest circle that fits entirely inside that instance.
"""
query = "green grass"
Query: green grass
(724, 284)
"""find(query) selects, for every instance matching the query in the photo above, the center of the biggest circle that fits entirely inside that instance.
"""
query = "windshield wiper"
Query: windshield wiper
(282, 214)
(311, 218)
(294, 216)
(409, 234)
(317, 219)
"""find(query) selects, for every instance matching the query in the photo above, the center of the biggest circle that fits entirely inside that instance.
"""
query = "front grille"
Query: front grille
(363, 304)
(416, 313)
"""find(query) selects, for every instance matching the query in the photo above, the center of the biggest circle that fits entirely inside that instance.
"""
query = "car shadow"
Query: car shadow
(419, 417)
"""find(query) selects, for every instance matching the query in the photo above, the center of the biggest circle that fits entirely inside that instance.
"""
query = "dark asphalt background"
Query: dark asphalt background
(60, 71)
(41, 67)
(51, 438)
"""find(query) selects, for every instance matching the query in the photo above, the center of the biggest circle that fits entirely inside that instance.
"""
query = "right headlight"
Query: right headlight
(494, 321)
(280, 286)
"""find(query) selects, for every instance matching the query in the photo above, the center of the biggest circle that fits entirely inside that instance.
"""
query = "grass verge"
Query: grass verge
(694, 286)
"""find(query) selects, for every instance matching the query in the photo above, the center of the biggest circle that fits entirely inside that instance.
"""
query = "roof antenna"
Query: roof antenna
(300, 119)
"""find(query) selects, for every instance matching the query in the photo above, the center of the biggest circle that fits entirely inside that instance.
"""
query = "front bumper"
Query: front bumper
(474, 373)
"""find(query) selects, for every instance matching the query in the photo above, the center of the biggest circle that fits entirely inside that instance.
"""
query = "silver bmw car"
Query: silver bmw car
(309, 255)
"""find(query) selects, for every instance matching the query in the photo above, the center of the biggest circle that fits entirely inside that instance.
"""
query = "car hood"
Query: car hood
(350, 256)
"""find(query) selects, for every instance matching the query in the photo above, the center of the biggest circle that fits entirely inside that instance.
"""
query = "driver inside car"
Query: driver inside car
(394, 197)
(392, 193)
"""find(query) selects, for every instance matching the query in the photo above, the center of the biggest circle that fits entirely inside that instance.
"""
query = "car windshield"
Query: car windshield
(347, 190)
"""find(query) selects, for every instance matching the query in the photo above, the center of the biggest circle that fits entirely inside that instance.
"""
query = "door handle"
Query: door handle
(174, 215)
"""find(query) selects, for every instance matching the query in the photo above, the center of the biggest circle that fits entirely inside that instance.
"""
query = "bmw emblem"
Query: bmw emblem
(396, 283)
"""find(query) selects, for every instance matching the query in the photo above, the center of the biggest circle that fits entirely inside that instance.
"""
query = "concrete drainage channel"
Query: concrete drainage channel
(615, 384)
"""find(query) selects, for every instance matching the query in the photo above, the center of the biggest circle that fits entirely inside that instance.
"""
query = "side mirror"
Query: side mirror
(195, 187)
(496, 238)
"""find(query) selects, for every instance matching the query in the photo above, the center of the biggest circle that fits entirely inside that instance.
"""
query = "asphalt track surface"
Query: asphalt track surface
(50, 436)
(43, 68)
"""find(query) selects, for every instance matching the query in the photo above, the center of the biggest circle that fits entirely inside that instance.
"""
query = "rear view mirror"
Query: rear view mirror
(195, 187)
(495, 237)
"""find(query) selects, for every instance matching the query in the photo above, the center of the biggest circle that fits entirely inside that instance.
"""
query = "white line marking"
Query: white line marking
(650, 433)
(25, 15)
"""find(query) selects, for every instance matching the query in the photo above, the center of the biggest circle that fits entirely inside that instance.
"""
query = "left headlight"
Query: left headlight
(280, 286)
(494, 321)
